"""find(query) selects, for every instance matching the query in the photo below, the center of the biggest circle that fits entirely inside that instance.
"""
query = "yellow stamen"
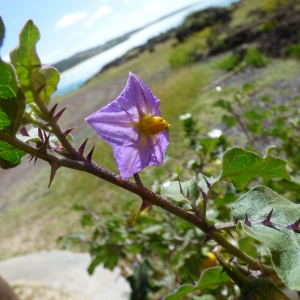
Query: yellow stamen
(152, 125)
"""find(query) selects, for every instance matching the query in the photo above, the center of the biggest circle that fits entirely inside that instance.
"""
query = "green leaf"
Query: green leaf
(240, 166)
(189, 188)
(26, 61)
(210, 278)
(49, 78)
(246, 245)
(12, 103)
(283, 243)
(205, 182)
(224, 104)
(34, 79)
(208, 144)
(12, 107)
(230, 121)
(10, 157)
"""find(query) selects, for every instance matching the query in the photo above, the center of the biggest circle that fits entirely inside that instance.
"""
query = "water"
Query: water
(73, 78)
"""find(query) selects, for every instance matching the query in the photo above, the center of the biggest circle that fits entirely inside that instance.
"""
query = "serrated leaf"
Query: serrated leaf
(10, 157)
(49, 78)
(189, 188)
(240, 166)
(26, 61)
(283, 243)
(12, 102)
(210, 278)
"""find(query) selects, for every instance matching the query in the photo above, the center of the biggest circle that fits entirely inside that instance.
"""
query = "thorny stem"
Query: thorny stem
(57, 130)
(83, 165)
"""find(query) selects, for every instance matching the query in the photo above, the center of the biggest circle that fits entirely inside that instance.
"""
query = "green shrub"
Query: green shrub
(229, 62)
(294, 50)
(181, 55)
(255, 58)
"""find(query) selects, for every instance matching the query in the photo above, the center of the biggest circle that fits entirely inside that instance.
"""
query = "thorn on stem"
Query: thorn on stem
(58, 115)
(89, 156)
(40, 134)
(52, 111)
(39, 90)
(144, 205)
(54, 167)
(229, 232)
(24, 131)
(180, 187)
(68, 131)
(191, 280)
(82, 147)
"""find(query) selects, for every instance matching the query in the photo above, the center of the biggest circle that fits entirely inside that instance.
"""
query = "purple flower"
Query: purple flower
(133, 127)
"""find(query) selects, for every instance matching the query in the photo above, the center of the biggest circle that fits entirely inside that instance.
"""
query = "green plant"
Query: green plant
(294, 50)
(229, 62)
(255, 58)
(162, 246)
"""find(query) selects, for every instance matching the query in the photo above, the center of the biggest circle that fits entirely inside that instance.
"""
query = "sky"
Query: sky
(71, 26)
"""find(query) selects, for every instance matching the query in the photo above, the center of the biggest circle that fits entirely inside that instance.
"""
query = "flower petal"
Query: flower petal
(114, 124)
(131, 160)
(136, 90)
(148, 151)
(159, 144)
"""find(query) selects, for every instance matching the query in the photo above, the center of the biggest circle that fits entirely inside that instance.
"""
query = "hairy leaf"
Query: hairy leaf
(283, 243)
(210, 278)
(26, 61)
(10, 157)
(12, 103)
(181, 191)
(241, 166)
(47, 80)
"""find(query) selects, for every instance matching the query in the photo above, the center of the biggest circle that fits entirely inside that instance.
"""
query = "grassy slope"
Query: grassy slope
(39, 216)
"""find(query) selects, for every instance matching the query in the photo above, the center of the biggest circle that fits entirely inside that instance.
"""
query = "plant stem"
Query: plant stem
(241, 255)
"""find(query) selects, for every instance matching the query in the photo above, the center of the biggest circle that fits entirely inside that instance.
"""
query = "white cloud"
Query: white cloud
(101, 12)
(70, 19)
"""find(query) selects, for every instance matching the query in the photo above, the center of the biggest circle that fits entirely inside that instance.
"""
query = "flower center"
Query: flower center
(152, 125)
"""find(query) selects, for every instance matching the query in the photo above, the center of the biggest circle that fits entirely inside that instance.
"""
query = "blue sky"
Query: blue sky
(70, 26)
